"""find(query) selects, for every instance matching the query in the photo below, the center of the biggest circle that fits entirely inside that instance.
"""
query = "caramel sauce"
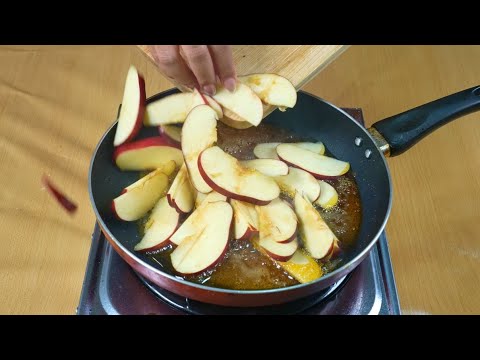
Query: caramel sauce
(245, 268)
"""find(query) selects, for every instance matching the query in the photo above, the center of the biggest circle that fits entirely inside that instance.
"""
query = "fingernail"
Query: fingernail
(209, 89)
(230, 84)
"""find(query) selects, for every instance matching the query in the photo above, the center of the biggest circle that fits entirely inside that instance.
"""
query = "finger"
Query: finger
(173, 66)
(201, 64)
(223, 61)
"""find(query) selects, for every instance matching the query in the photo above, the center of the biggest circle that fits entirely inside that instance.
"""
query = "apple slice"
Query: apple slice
(172, 109)
(300, 181)
(189, 225)
(210, 197)
(200, 198)
(317, 236)
(146, 154)
(317, 148)
(246, 219)
(173, 133)
(207, 100)
(269, 150)
(269, 167)
(279, 251)
(266, 150)
(168, 169)
(208, 243)
(180, 194)
(272, 89)
(241, 105)
(225, 175)
(235, 124)
(161, 224)
(319, 166)
(199, 132)
(140, 197)
(328, 195)
(277, 221)
(132, 109)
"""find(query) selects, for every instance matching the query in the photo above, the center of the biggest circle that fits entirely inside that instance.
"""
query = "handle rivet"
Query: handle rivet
(358, 141)
(368, 153)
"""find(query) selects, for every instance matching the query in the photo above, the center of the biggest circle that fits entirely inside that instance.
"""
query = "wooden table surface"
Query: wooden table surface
(56, 102)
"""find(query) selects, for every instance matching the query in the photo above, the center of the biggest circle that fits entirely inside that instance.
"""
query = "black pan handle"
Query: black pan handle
(404, 130)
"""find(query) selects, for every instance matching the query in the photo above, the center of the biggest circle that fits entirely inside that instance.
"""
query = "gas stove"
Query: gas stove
(112, 287)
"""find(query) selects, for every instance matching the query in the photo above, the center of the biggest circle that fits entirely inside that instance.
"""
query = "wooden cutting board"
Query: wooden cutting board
(298, 63)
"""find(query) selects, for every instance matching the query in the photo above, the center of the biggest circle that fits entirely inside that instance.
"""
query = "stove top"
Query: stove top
(112, 287)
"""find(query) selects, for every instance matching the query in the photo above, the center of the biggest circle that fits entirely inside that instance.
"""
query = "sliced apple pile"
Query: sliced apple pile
(223, 173)
(317, 237)
(132, 109)
(319, 166)
(269, 150)
(208, 242)
(272, 89)
(173, 133)
(269, 167)
(277, 221)
(180, 195)
(246, 219)
(241, 105)
(140, 197)
(328, 195)
(146, 154)
(161, 224)
(299, 181)
(199, 132)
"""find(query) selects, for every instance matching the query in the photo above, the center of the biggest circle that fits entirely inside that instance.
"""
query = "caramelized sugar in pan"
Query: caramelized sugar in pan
(244, 268)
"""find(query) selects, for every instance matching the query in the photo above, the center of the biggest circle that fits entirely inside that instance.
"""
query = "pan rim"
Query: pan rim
(349, 266)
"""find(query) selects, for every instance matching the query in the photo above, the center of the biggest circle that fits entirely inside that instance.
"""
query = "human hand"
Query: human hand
(199, 66)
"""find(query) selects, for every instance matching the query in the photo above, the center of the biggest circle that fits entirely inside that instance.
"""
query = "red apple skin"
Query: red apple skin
(278, 257)
(290, 239)
(143, 143)
(163, 243)
(114, 210)
(225, 192)
(248, 234)
(172, 203)
(171, 141)
(141, 111)
(334, 252)
(316, 176)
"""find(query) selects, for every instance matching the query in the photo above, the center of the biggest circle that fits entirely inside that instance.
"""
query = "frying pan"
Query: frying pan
(312, 117)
